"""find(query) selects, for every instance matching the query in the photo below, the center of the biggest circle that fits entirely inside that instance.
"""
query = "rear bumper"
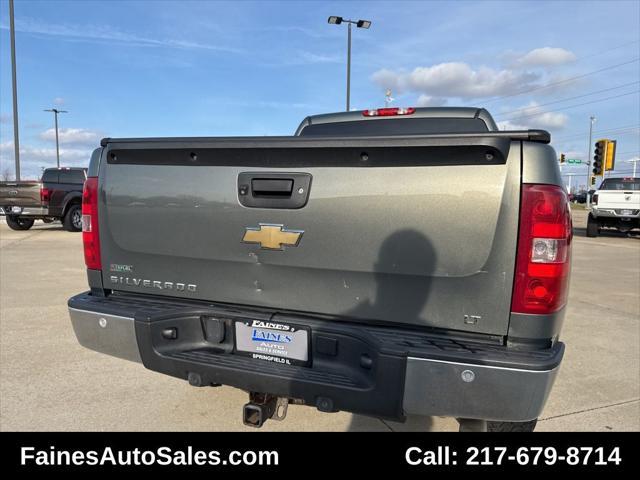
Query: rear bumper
(615, 213)
(25, 211)
(385, 372)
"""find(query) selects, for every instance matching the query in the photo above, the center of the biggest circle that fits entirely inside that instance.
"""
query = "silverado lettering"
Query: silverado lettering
(139, 282)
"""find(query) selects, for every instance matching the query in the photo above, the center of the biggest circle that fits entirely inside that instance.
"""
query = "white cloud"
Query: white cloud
(428, 101)
(75, 136)
(545, 57)
(508, 125)
(551, 120)
(33, 159)
(388, 79)
(456, 79)
(5, 118)
(534, 116)
(58, 101)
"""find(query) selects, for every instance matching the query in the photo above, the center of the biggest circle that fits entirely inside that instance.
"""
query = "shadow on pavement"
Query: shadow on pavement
(610, 233)
(360, 423)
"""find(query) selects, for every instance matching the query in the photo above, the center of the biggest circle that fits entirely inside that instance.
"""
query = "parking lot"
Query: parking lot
(49, 382)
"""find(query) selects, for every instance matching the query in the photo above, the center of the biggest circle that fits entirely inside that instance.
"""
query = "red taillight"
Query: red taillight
(44, 195)
(594, 199)
(543, 260)
(90, 233)
(388, 112)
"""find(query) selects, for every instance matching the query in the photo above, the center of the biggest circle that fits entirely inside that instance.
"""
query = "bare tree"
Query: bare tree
(6, 174)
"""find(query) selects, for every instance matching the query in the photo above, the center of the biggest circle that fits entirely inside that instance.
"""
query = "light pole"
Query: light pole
(55, 114)
(16, 140)
(592, 120)
(360, 24)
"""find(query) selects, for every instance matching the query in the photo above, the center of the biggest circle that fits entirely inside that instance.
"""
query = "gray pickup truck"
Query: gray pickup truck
(387, 262)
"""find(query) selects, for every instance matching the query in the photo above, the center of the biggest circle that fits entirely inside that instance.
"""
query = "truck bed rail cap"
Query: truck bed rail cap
(539, 136)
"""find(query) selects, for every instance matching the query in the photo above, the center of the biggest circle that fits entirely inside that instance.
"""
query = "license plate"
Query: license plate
(627, 212)
(272, 341)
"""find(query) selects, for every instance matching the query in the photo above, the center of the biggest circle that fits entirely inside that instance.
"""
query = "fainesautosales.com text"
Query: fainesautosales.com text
(145, 457)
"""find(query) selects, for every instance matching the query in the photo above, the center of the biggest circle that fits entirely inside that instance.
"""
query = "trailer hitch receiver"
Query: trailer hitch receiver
(262, 407)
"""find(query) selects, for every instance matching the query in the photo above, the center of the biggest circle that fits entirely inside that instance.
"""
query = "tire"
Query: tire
(592, 227)
(72, 221)
(19, 223)
(512, 426)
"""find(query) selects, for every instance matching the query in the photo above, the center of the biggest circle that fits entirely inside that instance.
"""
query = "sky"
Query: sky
(206, 68)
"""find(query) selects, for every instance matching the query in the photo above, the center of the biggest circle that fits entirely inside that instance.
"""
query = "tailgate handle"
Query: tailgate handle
(273, 187)
(288, 190)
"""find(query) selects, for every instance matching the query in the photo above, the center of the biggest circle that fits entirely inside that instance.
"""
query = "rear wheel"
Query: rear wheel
(512, 426)
(72, 221)
(19, 223)
(592, 227)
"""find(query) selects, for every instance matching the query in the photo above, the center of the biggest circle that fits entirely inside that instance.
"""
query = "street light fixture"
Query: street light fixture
(360, 24)
(56, 112)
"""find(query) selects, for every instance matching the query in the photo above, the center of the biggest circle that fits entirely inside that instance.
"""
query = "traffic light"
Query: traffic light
(610, 157)
(599, 157)
(561, 158)
(593, 181)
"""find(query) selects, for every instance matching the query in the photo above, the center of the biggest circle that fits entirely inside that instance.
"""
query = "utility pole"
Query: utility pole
(16, 140)
(635, 162)
(592, 120)
(55, 113)
(349, 68)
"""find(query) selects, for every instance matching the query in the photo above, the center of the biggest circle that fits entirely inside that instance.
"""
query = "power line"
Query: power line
(566, 80)
(630, 131)
(574, 106)
(607, 50)
(596, 134)
(570, 98)
(600, 132)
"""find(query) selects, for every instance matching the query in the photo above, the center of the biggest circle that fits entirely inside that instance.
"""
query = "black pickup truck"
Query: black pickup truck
(58, 196)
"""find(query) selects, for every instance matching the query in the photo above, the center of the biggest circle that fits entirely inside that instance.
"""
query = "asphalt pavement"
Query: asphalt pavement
(49, 382)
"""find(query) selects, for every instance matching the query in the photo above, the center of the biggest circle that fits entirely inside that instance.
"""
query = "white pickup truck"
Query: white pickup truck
(616, 204)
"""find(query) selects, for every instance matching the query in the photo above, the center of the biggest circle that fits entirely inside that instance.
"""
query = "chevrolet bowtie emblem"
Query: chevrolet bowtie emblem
(272, 237)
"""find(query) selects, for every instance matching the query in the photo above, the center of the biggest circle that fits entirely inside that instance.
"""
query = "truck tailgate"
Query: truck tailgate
(24, 194)
(418, 231)
(619, 199)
